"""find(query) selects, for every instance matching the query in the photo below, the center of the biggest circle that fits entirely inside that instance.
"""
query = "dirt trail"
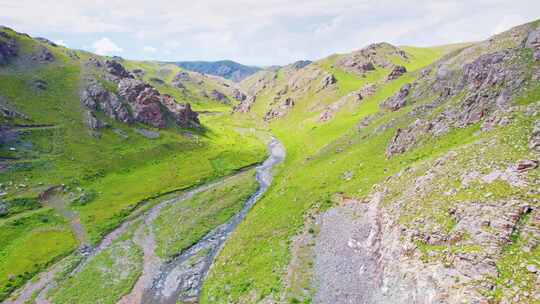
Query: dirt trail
(347, 254)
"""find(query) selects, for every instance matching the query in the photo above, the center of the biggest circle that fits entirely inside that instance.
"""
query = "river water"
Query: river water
(180, 280)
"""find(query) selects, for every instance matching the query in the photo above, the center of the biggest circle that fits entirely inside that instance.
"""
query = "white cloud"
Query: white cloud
(149, 49)
(261, 32)
(507, 22)
(105, 46)
(60, 42)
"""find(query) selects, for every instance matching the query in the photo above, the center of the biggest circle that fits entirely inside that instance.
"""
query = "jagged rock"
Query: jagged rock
(404, 139)
(534, 139)
(367, 59)
(47, 41)
(95, 97)
(533, 42)
(92, 122)
(497, 119)
(238, 95)
(43, 55)
(300, 64)
(218, 96)
(327, 81)
(396, 72)
(116, 69)
(146, 108)
(486, 70)
(179, 78)
(279, 111)
(399, 100)
(526, 165)
(94, 62)
(182, 113)
(245, 106)
(8, 48)
(368, 90)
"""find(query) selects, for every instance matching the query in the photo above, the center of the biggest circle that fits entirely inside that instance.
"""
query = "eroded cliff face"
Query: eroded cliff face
(134, 101)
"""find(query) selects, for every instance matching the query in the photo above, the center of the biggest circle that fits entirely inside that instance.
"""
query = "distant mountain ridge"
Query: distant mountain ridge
(225, 68)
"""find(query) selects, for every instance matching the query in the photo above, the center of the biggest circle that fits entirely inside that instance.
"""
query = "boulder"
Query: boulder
(327, 81)
(404, 139)
(179, 79)
(116, 69)
(93, 61)
(533, 42)
(238, 95)
(245, 105)
(397, 101)
(526, 165)
(146, 108)
(8, 48)
(95, 97)
(300, 64)
(42, 55)
(182, 113)
(396, 72)
(92, 122)
(218, 96)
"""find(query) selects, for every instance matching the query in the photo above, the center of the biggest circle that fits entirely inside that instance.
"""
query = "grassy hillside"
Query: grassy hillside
(94, 182)
(346, 157)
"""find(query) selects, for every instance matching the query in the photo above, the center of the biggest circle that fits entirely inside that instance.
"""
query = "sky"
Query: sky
(258, 32)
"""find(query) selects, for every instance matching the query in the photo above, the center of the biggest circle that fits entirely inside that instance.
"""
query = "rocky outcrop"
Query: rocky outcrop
(8, 48)
(396, 72)
(404, 139)
(179, 79)
(300, 64)
(116, 69)
(238, 95)
(371, 57)
(281, 110)
(219, 96)
(397, 101)
(245, 105)
(327, 81)
(181, 112)
(42, 55)
(96, 98)
(533, 42)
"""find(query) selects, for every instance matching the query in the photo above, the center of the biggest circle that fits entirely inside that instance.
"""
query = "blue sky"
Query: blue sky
(258, 32)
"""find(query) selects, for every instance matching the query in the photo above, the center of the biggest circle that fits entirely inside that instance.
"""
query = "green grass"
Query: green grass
(107, 277)
(121, 173)
(29, 243)
(182, 224)
(252, 263)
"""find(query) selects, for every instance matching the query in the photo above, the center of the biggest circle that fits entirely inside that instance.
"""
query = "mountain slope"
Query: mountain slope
(225, 68)
(411, 177)
(87, 140)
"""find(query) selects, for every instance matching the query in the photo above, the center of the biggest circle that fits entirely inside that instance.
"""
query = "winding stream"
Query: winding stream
(181, 279)
(164, 282)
